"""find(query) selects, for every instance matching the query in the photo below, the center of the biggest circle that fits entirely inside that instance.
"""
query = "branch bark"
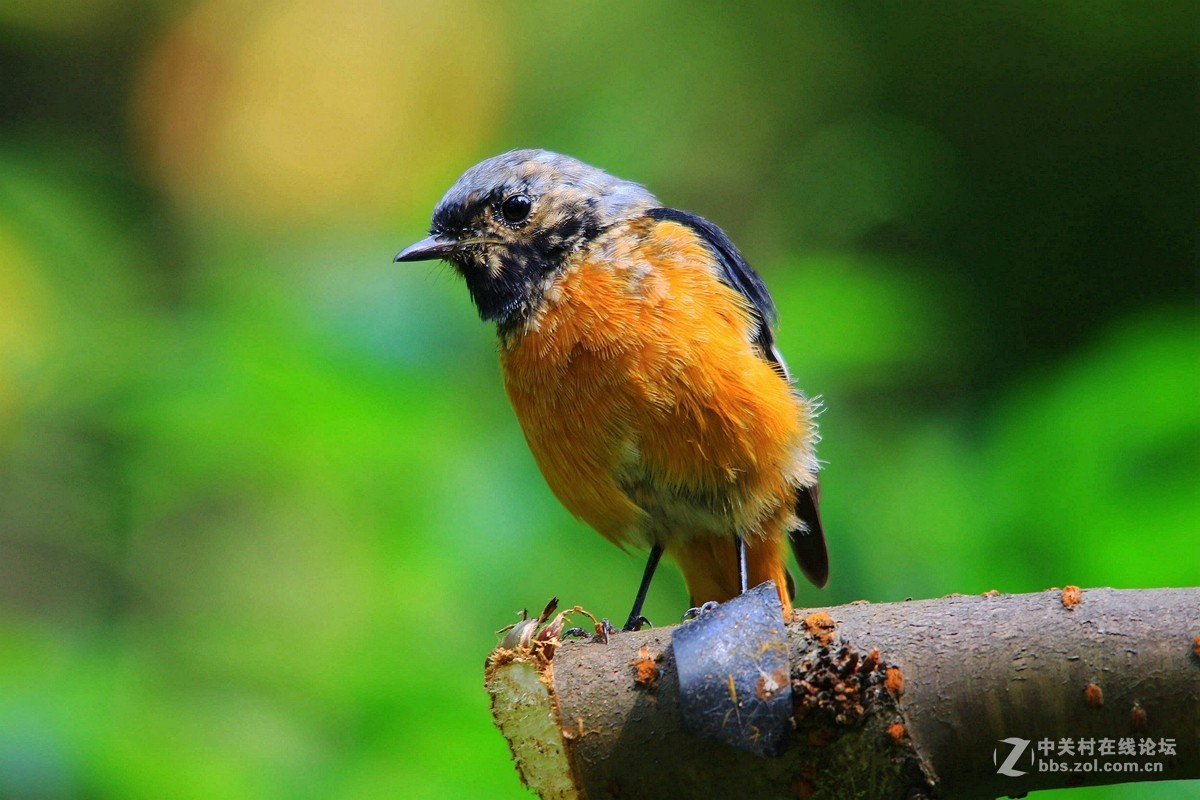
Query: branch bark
(898, 700)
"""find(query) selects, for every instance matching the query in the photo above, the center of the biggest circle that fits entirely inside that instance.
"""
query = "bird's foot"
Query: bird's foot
(636, 623)
(692, 613)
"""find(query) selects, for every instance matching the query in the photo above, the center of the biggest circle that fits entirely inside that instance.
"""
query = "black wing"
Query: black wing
(807, 541)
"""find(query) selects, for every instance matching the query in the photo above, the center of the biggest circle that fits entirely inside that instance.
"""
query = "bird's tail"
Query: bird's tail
(808, 540)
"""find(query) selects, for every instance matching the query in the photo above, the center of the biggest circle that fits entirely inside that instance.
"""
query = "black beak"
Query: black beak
(427, 249)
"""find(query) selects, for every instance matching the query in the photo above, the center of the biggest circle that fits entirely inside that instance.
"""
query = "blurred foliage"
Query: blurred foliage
(262, 501)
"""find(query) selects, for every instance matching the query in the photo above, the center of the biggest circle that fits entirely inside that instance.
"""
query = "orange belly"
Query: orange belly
(650, 413)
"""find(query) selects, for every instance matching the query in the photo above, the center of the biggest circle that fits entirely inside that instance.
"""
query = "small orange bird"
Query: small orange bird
(638, 352)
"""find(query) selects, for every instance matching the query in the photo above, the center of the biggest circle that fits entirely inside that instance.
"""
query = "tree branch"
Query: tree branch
(895, 700)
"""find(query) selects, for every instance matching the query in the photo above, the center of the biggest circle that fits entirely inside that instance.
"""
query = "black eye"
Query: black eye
(516, 208)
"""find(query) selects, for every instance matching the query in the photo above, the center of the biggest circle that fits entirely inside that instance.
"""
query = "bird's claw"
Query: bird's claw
(636, 623)
(692, 613)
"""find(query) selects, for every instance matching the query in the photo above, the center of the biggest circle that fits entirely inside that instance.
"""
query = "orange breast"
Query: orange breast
(644, 402)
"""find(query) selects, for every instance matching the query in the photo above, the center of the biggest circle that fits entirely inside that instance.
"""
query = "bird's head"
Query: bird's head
(511, 222)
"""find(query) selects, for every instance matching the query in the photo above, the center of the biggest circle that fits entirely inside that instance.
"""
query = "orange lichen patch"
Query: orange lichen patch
(1071, 596)
(821, 626)
(992, 593)
(802, 788)
(894, 682)
(768, 685)
(1196, 646)
(1093, 695)
(896, 732)
(1137, 716)
(645, 667)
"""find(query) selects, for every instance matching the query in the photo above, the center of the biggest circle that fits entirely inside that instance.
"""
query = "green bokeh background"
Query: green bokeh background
(262, 499)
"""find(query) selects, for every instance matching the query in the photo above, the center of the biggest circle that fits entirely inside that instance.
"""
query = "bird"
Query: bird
(638, 350)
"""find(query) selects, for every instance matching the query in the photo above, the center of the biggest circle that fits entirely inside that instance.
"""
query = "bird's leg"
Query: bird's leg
(635, 616)
(739, 546)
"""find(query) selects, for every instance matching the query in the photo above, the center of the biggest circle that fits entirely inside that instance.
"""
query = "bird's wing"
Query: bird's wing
(808, 540)
(737, 274)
